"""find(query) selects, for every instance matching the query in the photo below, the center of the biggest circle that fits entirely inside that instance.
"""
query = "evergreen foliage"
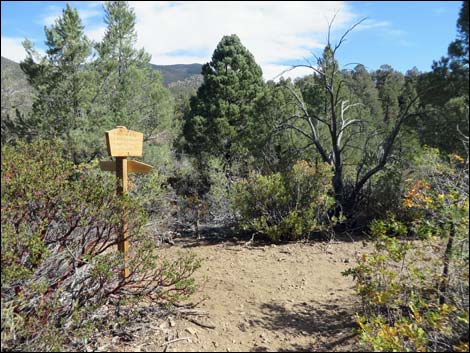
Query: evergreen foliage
(444, 95)
(63, 85)
(86, 88)
(222, 116)
(288, 160)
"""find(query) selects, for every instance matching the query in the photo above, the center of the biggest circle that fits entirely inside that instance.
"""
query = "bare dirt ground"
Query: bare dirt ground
(289, 297)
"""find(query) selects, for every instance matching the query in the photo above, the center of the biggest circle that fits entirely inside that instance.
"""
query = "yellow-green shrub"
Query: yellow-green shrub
(285, 207)
(415, 293)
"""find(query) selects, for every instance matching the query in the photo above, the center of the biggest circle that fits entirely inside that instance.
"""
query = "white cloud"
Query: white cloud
(274, 32)
(275, 72)
(13, 49)
(86, 14)
(94, 4)
(372, 24)
(96, 33)
(54, 12)
(440, 11)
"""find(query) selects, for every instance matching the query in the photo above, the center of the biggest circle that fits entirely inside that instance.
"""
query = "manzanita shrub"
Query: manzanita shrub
(415, 291)
(58, 250)
(286, 206)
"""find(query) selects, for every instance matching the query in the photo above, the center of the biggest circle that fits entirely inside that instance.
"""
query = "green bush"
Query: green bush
(59, 260)
(285, 207)
(415, 293)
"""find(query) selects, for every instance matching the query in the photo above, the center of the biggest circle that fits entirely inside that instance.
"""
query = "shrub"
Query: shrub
(285, 207)
(415, 294)
(59, 264)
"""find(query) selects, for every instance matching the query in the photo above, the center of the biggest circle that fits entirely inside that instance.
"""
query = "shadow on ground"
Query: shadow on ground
(331, 326)
(231, 235)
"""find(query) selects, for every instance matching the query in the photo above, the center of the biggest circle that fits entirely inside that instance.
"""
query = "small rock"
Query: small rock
(192, 331)
(171, 322)
(104, 348)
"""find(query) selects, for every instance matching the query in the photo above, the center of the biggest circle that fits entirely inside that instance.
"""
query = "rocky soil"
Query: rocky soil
(259, 298)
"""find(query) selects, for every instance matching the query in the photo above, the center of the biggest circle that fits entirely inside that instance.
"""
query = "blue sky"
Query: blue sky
(279, 34)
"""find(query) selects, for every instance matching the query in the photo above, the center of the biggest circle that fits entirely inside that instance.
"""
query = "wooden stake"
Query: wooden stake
(123, 143)
(121, 187)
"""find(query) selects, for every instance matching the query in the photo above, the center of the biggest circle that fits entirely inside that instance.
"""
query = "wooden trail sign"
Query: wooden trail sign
(132, 166)
(123, 143)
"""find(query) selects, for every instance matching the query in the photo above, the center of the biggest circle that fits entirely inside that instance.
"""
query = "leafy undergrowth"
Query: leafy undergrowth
(60, 226)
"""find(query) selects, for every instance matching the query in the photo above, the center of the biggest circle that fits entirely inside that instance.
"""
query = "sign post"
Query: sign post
(123, 143)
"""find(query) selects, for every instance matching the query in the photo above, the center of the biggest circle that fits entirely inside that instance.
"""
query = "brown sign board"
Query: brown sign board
(132, 167)
(122, 142)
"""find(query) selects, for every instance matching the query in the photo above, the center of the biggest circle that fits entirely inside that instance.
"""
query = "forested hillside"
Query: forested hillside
(179, 72)
(170, 73)
(373, 162)
(17, 93)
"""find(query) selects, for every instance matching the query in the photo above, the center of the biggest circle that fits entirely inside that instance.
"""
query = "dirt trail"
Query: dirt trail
(269, 298)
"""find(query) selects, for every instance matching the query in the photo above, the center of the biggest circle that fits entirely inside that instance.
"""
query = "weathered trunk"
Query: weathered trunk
(338, 186)
(445, 271)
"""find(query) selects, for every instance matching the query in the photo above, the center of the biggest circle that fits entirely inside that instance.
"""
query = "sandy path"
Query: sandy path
(272, 298)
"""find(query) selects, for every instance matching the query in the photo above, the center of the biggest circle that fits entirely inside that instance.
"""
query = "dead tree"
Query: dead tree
(332, 146)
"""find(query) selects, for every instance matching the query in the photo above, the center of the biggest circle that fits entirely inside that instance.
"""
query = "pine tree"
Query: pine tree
(131, 93)
(222, 116)
(389, 83)
(63, 85)
(445, 95)
(458, 49)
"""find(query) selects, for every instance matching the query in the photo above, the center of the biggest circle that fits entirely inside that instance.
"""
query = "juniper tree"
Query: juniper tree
(222, 115)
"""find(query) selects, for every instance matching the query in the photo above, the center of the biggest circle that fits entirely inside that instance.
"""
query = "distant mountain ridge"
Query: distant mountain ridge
(170, 73)
(17, 93)
(7, 62)
(178, 72)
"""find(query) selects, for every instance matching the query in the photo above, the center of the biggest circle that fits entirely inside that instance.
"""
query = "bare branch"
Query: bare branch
(343, 37)
(387, 147)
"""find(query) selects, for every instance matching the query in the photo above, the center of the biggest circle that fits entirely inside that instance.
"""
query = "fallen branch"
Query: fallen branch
(192, 312)
(176, 340)
(187, 306)
(194, 321)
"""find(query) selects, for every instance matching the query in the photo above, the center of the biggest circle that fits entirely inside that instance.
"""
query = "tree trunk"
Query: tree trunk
(445, 271)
